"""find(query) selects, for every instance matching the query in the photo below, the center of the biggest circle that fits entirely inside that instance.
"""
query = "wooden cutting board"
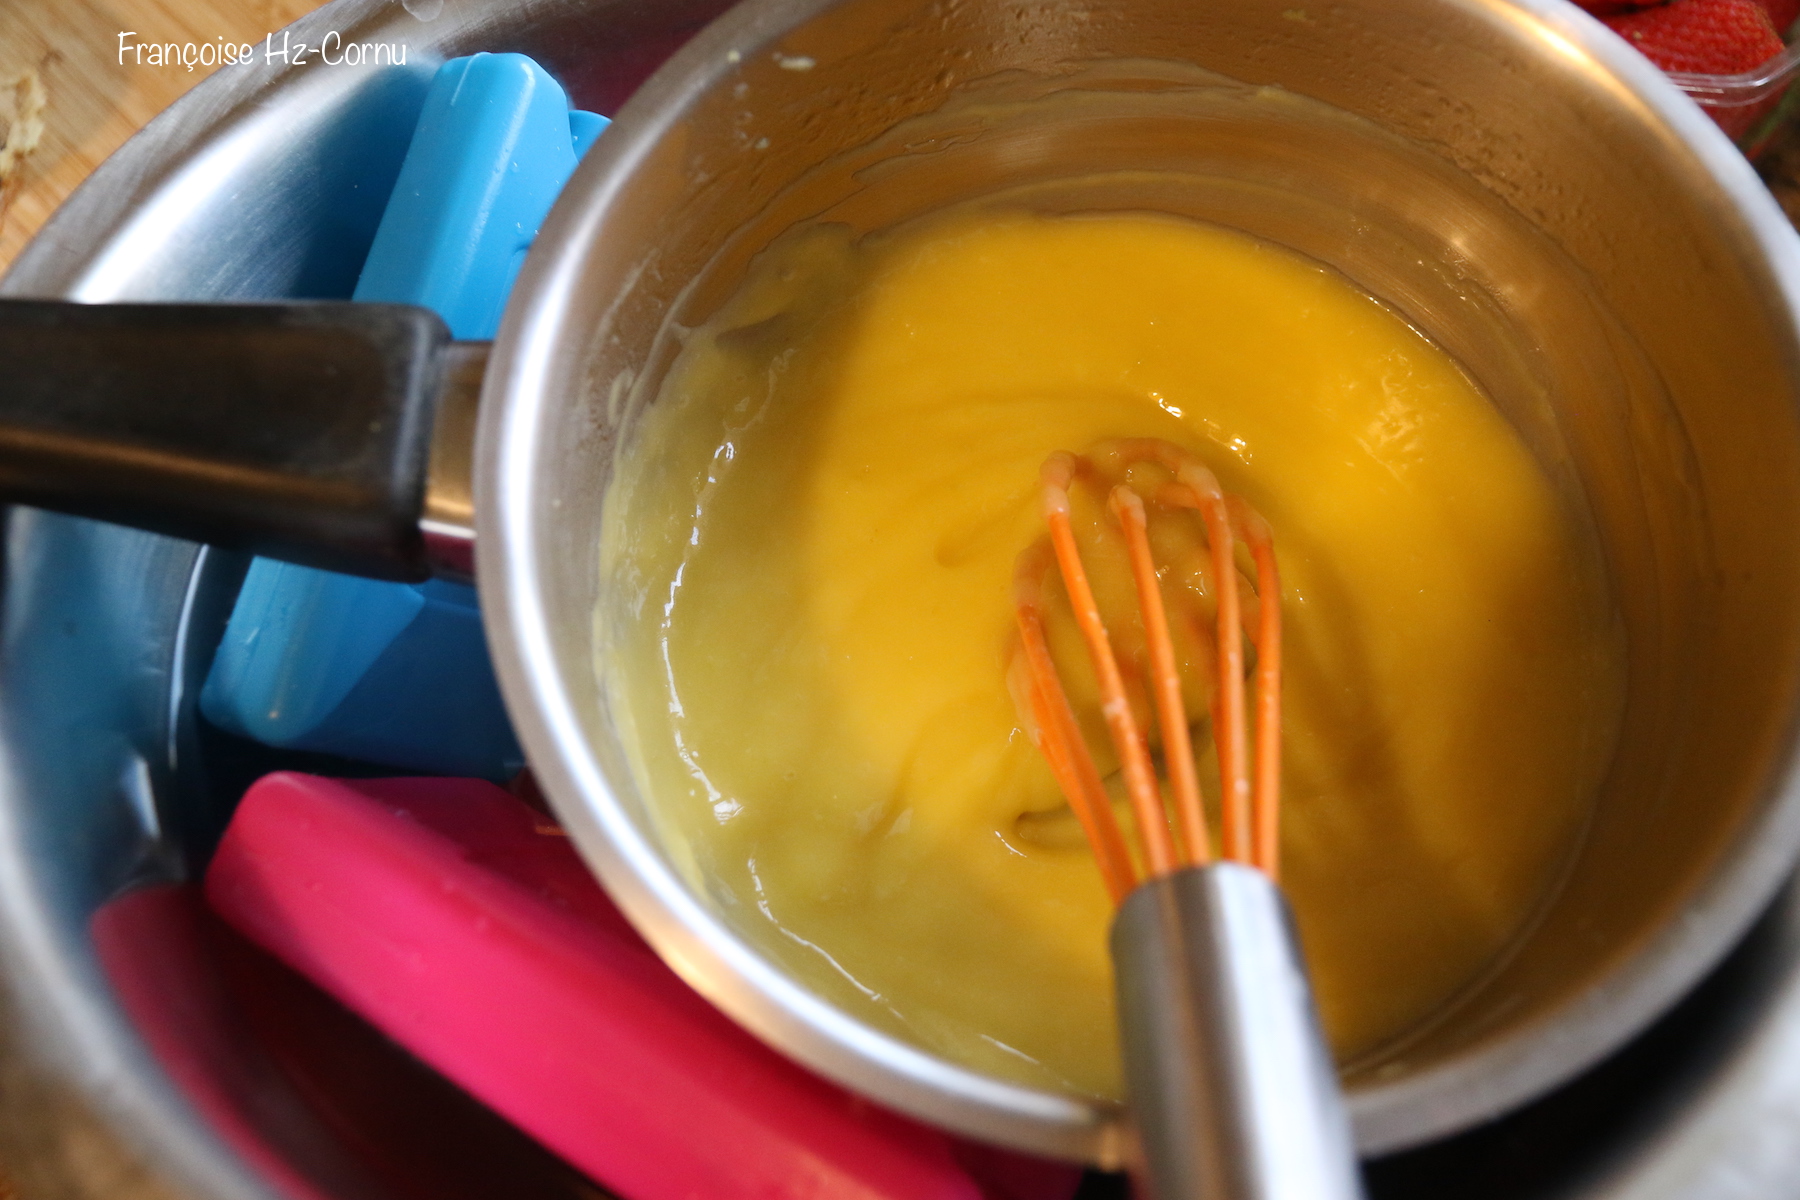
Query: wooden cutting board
(92, 102)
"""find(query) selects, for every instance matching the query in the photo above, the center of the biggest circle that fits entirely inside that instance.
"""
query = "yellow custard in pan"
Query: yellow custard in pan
(816, 527)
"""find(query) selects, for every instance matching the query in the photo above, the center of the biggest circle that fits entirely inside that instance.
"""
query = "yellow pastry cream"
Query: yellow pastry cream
(810, 552)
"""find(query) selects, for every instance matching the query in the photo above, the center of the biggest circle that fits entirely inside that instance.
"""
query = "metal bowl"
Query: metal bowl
(1511, 177)
(266, 182)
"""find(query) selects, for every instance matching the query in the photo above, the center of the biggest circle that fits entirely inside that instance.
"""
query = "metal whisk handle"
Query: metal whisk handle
(1230, 1083)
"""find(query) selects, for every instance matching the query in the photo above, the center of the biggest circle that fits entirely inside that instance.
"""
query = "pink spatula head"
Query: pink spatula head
(462, 924)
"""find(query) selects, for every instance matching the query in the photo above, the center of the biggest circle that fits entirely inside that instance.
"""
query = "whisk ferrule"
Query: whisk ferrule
(1232, 1093)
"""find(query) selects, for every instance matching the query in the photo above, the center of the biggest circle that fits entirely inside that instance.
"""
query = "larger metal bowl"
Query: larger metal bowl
(1510, 176)
(267, 183)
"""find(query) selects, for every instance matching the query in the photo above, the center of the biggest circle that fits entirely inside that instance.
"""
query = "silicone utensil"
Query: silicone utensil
(462, 924)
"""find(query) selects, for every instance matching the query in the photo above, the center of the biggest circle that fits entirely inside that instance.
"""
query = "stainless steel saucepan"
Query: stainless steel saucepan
(1508, 175)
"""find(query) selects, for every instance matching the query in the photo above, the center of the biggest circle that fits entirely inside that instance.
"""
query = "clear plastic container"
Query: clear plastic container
(1749, 105)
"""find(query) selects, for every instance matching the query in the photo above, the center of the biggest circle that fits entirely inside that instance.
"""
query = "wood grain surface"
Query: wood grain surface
(92, 102)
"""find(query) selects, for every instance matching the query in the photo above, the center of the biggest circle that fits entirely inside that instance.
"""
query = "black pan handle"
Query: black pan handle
(300, 431)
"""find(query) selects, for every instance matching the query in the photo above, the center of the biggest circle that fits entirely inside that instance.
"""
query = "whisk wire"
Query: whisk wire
(1250, 794)
(1115, 706)
(1228, 730)
(1265, 802)
(1178, 748)
(1058, 733)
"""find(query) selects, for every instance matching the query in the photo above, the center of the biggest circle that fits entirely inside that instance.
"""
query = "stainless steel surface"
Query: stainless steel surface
(261, 183)
(1512, 178)
(448, 521)
(1701, 1107)
(268, 183)
(1231, 1089)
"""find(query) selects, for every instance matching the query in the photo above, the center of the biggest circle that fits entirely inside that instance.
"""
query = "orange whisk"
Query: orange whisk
(1229, 1081)
(1249, 797)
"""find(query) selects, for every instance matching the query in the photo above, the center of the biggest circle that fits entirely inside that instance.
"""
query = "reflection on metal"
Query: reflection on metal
(1233, 1093)
(448, 521)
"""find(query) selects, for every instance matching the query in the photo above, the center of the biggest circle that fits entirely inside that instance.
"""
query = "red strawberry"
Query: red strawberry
(1711, 37)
